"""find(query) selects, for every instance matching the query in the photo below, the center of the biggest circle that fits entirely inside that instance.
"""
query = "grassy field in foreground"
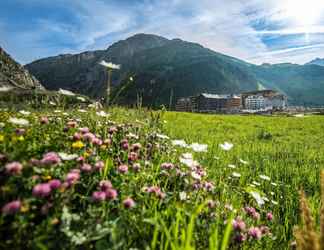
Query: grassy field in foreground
(133, 179)
(289, 150)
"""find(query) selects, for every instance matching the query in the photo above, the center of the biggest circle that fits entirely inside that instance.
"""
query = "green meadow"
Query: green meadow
(135, 179)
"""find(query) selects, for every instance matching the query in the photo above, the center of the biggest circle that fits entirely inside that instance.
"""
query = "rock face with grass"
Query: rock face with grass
(13, 75)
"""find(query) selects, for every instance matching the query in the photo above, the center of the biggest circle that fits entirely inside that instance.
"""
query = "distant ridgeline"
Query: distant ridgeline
(254, 101)
(155, 70)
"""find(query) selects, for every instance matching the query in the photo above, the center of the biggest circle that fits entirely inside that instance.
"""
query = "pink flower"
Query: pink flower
(84, 130)
(77, 136)
(99, 196)
(124, 144)
(129, 203)
(156, 190)
(72, 177)
(99, 165)
(239, 224)
(20, 131)
(123, 169)
(14, 168)
(132, 156)
(209, 186)
(44, 120)
(111, 194)
(80, 159)
(42, 190)
(89, 136)
(54, 184)
(72, 124)
(105, 185)
(112, 130)
(96, 141)
(11, 207)
(264, 230)
(51, 158)
(86, 168)
(269, 216)
(167, 166)
(255, 233)
(256, 216)
(239, 238)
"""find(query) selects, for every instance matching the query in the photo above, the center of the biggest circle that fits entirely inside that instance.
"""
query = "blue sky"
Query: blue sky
(258, 31)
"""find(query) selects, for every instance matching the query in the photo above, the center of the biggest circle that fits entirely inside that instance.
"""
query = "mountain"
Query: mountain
(303, 84)
(161, 70)
(14, 76)
(317, 61)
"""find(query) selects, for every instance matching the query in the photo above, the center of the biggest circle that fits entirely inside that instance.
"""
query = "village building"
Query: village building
(210, 103)
(264, 100)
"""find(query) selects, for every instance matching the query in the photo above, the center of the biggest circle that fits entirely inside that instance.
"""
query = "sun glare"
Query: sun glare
(304, 12)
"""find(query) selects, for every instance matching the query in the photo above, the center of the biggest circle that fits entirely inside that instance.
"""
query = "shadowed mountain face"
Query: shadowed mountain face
(163, 70)
(13, 75)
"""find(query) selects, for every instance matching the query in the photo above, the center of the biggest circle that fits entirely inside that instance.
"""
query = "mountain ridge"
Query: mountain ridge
(164, 70)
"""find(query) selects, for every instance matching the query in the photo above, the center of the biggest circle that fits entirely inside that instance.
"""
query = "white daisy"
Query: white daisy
(109, 65)
(199, 147)
(244, 162)
(264, 177)
(226, 146)
(18, 121)
(180, 143)
(257, 197)
(23, 112)
(67, 157)
(236, 174)
(231, 166)
(183, 196)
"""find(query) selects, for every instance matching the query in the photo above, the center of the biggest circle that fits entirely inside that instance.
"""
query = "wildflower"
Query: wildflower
(264, 177)
(199, 147)
(86, 167)
(123, 169)
(167, 166)
(128, 203)
(124, 144)
(180, 143)
(226, 146)
(111, 194)
(209, 186)
(99, 165)
(105, 185)
(66, 92)
(264, 230)
(136, 167)
(255, 233)
(44, 120)
(239, 224)
(161, 136)
(72, 177)
(77, 145)
(188, 160)
(89, 136)
(244, 162)
(67, 157)
(183, 196)
(231, 166)
(239, 238)
(109, 65)
(102, 114)
(23, 112)
(42, 190)
(51, 158)
(132, 156)
(236, 174)
(269, 216)
(54, 184)
(18, 121)
(98, 196)
(257, 197)
(195, 175)
(14, 168)
(71, 124)
(112, 130)
(20, 131)
(11, 207)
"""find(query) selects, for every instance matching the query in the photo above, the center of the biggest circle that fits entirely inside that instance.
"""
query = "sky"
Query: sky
(258, 31)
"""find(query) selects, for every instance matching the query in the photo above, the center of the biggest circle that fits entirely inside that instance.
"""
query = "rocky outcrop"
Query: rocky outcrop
(13, 75)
